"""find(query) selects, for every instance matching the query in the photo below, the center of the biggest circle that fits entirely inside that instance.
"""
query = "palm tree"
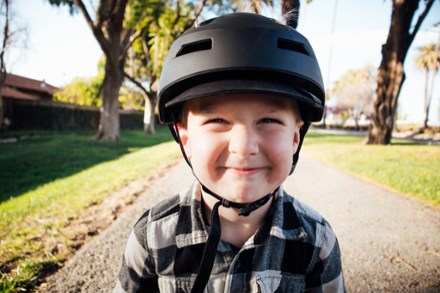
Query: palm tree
(428, 61)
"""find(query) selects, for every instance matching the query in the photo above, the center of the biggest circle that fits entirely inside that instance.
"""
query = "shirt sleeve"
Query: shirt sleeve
(326, 274)
(137, 272)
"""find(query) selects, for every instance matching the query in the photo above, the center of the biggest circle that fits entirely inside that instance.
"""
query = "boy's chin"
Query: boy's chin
(244, 195)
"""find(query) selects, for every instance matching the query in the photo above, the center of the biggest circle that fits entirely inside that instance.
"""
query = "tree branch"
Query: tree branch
(126, 36)
(136, 35)
(149, 71)
(104, 12)
(95, 27)
(85, 13)
(118, 12)
(197, 13)
(176, 20)
(137, 83)
(419, 22)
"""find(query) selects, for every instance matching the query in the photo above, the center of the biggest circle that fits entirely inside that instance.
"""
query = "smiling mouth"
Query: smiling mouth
(243, 170)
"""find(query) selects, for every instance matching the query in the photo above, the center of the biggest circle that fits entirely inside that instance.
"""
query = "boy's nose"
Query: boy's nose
(243, 140)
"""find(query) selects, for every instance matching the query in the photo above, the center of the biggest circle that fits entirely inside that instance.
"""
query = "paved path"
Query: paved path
(389, 243)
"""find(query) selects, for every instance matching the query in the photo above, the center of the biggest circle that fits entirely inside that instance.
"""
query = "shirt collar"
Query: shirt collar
(192, 228)
(282, 221)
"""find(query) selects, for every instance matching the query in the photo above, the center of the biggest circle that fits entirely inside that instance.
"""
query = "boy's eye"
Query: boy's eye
(216, 120)
(269, 120)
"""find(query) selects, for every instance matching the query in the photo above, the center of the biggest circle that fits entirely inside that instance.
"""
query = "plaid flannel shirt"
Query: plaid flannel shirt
(294, 251)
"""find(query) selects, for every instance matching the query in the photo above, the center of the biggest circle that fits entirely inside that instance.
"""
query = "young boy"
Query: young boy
(239, 93)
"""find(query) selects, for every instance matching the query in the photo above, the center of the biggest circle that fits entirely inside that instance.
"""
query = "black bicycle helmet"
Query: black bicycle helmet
(241, 53)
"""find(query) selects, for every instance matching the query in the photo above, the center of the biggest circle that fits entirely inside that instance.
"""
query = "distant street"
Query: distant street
(428, 139)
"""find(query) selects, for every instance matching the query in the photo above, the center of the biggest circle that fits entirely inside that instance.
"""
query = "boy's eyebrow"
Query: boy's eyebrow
(208, 107)
(271, 111)
(275, 107)
(203, 107)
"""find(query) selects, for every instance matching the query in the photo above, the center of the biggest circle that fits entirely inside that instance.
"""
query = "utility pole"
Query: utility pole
(330, 56)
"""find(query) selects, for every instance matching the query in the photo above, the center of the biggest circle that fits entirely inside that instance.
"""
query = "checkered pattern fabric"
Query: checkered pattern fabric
(294, 251)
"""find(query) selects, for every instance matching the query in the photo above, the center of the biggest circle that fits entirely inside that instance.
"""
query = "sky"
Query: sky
(345, 34)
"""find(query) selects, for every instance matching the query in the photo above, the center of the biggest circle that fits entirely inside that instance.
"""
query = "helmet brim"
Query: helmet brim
(243, 86)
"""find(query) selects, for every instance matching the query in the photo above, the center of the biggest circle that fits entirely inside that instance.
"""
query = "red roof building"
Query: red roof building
(18, 89)
(22, 88)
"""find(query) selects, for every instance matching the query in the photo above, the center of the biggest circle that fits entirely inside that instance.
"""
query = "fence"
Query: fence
(22, 115)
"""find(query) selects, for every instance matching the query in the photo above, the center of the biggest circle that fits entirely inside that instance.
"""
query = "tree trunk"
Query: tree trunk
(113, 40)
(290, 8)
(2, 81)
(149, 115)
(114, 76)
(431, 89)
(391, 74)
(150, 98)
(390, 79)
(1, 111)
(109, 120)
(426, 108)
(6, 40)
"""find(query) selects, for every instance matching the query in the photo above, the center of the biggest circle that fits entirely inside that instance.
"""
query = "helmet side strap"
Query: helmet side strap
(175, 132)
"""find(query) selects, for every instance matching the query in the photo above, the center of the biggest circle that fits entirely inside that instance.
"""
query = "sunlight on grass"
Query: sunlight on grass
(27, 222)
(410, 169)
(31, 163)
(62, 197)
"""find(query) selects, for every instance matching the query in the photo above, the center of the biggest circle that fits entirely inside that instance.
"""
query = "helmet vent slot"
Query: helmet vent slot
(201, 45)
(292, 46)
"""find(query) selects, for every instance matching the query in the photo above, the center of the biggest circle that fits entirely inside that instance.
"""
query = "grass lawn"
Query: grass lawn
(406, 167)
(46, 182)
(47, 156)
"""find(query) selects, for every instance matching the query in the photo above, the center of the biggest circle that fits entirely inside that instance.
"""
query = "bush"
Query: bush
(58, 116)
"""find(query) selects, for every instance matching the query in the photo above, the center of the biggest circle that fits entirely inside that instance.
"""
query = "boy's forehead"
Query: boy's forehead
(211, 103)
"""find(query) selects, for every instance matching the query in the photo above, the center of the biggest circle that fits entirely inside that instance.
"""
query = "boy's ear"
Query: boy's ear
(296, 139)
(183, 136)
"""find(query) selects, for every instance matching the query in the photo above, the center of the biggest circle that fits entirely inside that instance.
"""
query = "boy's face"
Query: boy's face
(240, 146)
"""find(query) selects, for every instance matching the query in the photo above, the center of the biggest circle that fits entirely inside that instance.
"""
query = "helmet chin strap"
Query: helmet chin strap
(244, 209)
(215, 232)
(302, 134)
